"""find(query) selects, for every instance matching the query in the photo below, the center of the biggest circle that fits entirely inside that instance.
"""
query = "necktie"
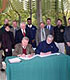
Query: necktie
(24, 34)
(48, 27)
(15, 32)
(42, 33)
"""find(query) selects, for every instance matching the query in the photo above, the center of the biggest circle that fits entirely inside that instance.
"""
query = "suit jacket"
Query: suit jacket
(67, 34)
(19, 50)
(38, 35)
(44, 47)
(51, 29)
(12, 30)
(18, 36)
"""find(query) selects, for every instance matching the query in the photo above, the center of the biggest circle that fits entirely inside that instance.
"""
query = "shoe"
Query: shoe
(2, 70)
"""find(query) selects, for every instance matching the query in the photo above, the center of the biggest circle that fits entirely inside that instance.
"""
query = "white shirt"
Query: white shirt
(30, 26)
(15, 28)
(23, 31)
(48, 27)
(23, 47)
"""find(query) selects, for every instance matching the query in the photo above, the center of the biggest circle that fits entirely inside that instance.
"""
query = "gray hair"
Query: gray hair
(22, 23)
(25, 38)
(50, 36)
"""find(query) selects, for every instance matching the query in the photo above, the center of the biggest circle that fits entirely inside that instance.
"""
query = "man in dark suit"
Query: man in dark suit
(20, 33)
(49, 26)
(47, 46)
(67, 38)
(41, 33)
(31, 32)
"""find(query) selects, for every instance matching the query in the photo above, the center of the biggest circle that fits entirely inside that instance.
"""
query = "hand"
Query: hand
(6, 50)
(29, 55)
(23, 55)
(68, 43)
(42, 54)
(19, 55)
(48, 53)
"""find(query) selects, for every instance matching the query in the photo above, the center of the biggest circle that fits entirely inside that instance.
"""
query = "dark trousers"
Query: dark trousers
(0, 60)
(67, 50)
(7, 54)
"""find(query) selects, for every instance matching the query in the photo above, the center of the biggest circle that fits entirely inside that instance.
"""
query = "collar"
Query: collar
(23, 47)
(48, 43)
(49, 25)
(30, 26)
(15, 28)
(23, 31)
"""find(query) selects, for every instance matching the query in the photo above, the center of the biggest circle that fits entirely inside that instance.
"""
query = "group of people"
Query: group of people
(28, 40)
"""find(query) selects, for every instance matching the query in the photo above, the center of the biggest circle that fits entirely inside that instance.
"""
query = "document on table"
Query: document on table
(27, 58)
(14, 60)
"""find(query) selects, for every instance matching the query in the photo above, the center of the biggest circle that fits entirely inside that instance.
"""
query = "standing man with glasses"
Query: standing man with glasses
(41, 33)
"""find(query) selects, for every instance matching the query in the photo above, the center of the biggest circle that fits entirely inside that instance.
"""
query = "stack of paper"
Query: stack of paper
(14, 60)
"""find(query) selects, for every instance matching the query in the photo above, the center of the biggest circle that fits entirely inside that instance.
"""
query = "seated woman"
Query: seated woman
(22, 49)
(47, 46)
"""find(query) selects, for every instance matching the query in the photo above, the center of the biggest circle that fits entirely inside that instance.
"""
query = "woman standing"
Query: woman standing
(7, 41)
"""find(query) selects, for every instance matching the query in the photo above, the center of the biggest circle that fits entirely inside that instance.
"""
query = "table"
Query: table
(55, 67)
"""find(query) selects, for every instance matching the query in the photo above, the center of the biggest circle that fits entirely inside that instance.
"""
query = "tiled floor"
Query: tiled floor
(2, 76)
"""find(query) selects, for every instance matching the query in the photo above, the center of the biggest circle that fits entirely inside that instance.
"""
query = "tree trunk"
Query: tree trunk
(19, 20)
(56, 10)
(39, 12)
(4, 3)
(30, 4)
(64, 17)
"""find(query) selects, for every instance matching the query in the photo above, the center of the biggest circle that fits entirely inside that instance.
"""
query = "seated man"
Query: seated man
(23, 48)
(47, 46)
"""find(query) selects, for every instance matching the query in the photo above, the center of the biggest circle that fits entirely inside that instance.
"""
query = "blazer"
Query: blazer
(51, 29)
(38, 35)
(12, 30)
(18, 36)
(67, 34)
(19, 50)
